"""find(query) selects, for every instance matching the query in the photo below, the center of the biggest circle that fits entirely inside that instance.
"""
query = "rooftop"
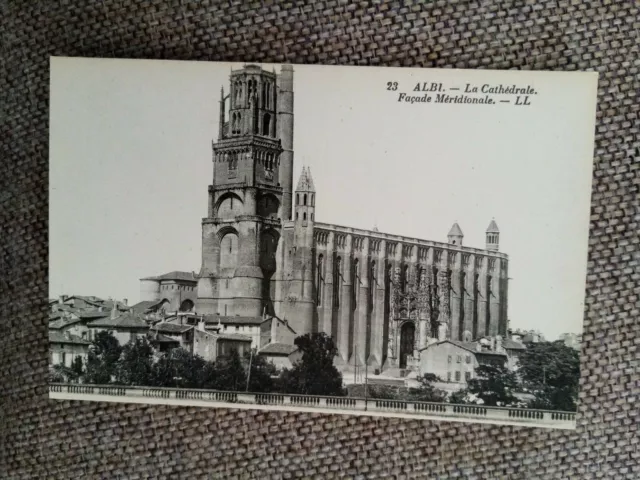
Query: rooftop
(175, 275)
(278, 349)
(166, 327)
(125, 320)
(233, 320)
(455, 231)
(58, 337)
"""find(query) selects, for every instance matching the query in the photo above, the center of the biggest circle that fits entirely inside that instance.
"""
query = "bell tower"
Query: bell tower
(493, 236)
(241, 232)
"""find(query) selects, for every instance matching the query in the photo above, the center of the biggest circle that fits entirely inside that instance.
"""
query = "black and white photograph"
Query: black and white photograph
(358, 240)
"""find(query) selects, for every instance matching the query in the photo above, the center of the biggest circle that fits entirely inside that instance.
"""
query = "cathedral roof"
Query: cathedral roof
(455, 230)
(493, 227)
(305, 184)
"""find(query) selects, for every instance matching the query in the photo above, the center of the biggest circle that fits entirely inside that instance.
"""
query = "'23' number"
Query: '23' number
(392, 86)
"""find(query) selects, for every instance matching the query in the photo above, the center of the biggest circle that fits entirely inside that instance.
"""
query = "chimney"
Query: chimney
(114, 311)
(125, 301)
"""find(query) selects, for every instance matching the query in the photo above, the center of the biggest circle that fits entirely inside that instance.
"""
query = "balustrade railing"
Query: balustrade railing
(519, 415)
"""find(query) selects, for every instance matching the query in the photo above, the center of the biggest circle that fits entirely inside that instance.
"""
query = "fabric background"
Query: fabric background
(42, 438)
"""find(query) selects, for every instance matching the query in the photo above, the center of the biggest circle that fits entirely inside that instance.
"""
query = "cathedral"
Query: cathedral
(382, 297)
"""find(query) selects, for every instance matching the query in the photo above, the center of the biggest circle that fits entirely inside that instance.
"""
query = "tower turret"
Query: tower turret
(305, 198)
(302, 261)
(493, 236)
(455, 235)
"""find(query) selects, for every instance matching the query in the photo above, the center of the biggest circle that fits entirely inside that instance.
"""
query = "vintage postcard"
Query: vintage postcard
(361, 240)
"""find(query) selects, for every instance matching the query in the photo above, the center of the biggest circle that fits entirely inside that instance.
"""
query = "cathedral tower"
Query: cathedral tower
(493, 236)
(241, 232)
(302, 268)
(455, 235)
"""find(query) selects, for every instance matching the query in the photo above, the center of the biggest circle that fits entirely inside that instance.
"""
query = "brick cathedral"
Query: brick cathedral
(382, 297)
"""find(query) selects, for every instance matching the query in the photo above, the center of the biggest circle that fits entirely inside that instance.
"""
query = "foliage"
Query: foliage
(459, 396)
(77, 368)
(383, 392)
(229, 374)
(135, 366)
(261, 372)
(179, 368)
(61, 373)
(55, 376)
(426, 392)
(551, 370)
(104, 353)
(315, 373)
(494, 385)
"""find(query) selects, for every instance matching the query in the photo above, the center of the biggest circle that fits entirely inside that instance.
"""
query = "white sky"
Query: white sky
(130, 162)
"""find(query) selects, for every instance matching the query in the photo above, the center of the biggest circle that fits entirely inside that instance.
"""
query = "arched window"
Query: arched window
(313, 199)
(304, 199)
(304, 216)
(312, 217)
(296, 215)
(229, 250)
(297, 199)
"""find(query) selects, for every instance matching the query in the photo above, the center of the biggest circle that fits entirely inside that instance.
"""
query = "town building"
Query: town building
(456, 361)
(281, 355)
(173, 291)
(65, 347)
(125, 327)
(383, 298)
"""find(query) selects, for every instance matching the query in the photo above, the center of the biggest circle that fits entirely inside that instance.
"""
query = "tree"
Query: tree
(426, 392)
(261, 372)
(551, 370)
(135, 366)
(179, 368)
(494, 385)
(228, 374)
(315, 373)
(104, 353)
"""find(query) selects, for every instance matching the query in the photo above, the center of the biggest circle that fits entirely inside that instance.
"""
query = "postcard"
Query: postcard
(358, 240)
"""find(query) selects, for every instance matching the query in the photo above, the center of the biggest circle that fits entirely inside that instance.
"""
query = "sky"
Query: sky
(131, 159)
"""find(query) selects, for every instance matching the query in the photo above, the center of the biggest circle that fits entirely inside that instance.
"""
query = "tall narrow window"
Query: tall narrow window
(319, 279)
(297, 199)
(304, 199)
(304, 216)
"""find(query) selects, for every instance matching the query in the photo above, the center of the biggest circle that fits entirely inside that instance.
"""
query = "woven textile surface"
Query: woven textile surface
(42, 438)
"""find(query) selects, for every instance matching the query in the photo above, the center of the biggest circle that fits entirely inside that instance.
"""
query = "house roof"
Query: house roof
(175, 275)
(58, 337)
(233, 320)
(159, 338)
(513, 345)
(89, 314)
(124, 320)
(470, 346)
(167, 327)
(455, 230)
(146, 305)
(278, 349)
(62, 323)
(233, 336)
